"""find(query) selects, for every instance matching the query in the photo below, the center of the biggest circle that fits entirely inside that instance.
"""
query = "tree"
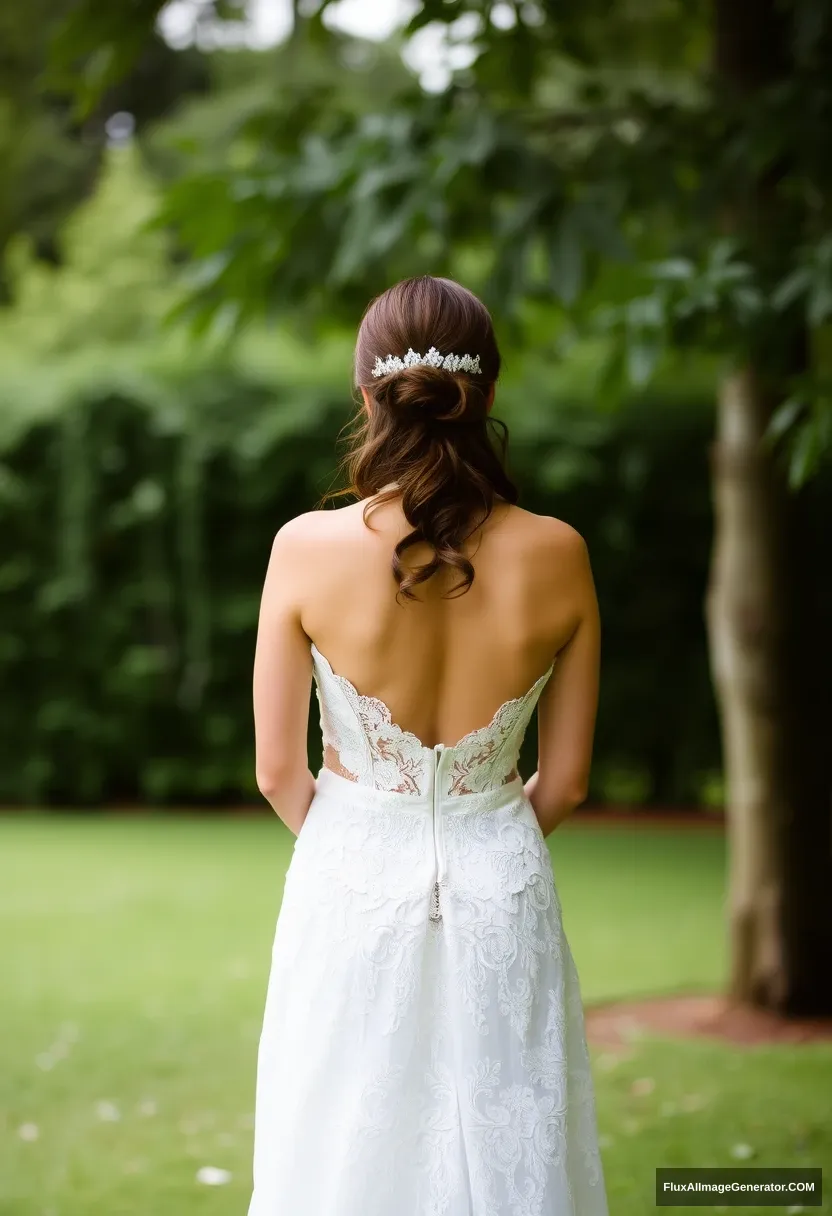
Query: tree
(662, 171)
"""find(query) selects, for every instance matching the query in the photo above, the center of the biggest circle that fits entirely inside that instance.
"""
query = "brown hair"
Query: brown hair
(429, 429)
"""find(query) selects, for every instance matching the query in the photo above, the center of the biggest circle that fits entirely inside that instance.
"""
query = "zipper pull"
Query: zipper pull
(435, 913)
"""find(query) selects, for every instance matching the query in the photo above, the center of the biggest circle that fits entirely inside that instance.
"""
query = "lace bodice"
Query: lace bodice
(363, 743)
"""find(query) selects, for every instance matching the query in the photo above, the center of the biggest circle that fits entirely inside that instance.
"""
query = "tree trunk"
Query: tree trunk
(773, 710)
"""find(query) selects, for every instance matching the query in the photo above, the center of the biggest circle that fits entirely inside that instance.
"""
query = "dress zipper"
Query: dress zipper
(435, 908)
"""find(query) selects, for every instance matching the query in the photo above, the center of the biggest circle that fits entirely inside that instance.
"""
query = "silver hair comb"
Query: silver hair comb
(451, 363)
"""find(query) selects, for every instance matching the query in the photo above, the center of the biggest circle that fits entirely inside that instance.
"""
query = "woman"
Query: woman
(423, 1049)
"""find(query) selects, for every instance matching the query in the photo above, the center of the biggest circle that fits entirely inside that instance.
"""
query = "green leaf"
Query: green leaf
(673, 270)
(820, 303)
(805, 456)
(784, 417)
(790, 289)
(642, 356)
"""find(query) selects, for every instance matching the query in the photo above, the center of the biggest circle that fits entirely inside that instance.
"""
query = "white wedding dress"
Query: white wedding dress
(423, 1048)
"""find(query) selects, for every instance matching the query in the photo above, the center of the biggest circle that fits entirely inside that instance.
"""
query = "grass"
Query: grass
(134, 955)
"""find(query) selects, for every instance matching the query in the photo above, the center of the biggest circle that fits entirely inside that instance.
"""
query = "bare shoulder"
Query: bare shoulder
(560, 577)
(309, 549)
(554, 568)
(298, 531)
(551, 537)
(293, 543)
(311, 528)
(561, 536)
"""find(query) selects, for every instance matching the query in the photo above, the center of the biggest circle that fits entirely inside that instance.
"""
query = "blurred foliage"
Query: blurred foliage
(50, 154)
(143, 477)
(686, 141)
(140, 485)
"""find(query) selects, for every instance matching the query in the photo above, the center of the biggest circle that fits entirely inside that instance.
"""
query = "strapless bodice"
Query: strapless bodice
(363, 743)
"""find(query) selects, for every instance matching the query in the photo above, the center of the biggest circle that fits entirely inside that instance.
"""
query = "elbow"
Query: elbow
(572, 796)
(272, 779)
(267, 785)
(576, 793)
(558, 801)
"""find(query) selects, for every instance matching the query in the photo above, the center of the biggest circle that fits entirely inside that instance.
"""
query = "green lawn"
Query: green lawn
(133, 960)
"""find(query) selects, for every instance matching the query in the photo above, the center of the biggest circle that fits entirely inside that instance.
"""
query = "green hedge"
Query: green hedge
(142, 477)
(135, 542)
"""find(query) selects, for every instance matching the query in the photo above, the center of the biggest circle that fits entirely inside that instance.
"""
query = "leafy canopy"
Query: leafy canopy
(659, 170)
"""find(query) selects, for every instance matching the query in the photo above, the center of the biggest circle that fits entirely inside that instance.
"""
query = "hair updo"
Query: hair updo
(429, 429)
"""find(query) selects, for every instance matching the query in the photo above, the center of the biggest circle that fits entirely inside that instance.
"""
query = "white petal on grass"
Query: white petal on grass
(742, 1152)
(107, 1112)
(67, 1035)
(148, 1108)
(29, 1132)
(211, 1175)
(53, 1055)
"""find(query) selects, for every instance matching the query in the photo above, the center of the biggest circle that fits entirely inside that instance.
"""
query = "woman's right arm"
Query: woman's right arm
(569, 702)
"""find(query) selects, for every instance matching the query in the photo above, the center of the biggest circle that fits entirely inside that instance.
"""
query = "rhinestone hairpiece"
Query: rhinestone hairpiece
(451, 363)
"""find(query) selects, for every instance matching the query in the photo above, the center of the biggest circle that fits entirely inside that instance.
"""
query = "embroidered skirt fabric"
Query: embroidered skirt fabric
(423, 1048)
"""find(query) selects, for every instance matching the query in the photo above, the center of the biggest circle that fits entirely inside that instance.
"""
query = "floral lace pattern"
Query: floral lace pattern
(363, 743)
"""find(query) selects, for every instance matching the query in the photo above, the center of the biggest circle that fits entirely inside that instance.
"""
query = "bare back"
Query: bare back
(443, 665)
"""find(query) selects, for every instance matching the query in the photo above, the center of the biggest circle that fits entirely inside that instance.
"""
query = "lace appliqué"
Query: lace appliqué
(364, 744)
(370, 901)
(487, 758)
(505, 910)
(361, 740)
(397, 756)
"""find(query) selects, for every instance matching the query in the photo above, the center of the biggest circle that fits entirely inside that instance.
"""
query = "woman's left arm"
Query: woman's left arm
(282, 679)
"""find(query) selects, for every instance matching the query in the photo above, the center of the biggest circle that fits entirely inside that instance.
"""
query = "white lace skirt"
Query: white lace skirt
(423, 1049)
